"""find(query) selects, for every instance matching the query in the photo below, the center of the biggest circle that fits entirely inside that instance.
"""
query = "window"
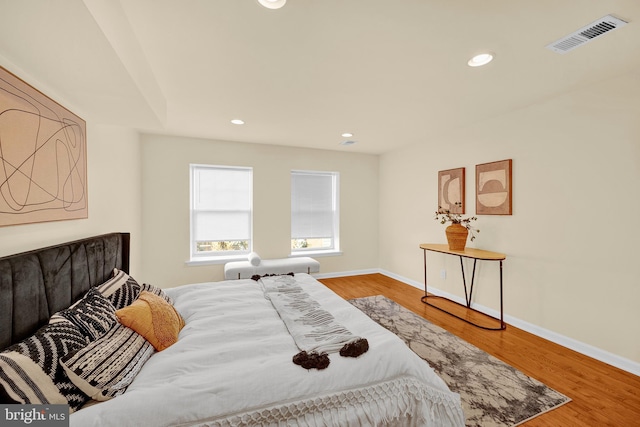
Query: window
(221, 211)
(314, 212)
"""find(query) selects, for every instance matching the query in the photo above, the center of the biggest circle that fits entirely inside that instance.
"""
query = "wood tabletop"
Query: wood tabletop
(467, 252)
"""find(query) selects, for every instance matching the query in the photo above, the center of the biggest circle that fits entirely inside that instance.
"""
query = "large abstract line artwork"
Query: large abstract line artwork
(43, 157)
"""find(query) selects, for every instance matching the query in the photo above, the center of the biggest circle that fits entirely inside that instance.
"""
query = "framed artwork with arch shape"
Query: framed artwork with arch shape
(451, 191)
(494, 189)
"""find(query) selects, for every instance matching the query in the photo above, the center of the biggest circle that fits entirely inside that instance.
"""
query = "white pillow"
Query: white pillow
(254, 259)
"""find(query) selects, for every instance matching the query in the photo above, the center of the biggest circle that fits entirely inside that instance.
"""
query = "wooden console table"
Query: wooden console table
(475, 254)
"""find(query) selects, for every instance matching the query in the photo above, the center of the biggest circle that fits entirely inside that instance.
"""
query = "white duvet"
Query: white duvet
(232, 366)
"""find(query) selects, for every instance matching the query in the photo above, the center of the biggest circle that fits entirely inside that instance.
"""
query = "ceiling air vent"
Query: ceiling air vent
(349, 142)
(586, 34)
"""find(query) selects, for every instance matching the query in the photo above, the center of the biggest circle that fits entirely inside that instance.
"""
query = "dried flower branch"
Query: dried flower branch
(445, 215)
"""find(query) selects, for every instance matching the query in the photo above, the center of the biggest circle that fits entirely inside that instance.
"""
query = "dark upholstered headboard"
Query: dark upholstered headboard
(36, 284)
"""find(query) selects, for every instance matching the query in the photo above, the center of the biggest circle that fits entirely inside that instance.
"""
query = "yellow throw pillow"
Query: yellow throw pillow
(153, 318)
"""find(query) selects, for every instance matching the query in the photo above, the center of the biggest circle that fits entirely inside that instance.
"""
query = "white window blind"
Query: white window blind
(221, 206)
(314, 207)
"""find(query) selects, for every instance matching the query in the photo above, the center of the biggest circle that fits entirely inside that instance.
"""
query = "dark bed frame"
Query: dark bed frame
(36, 284)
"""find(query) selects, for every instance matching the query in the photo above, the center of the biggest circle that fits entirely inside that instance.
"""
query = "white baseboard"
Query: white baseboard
(570, 343)
(345, 273)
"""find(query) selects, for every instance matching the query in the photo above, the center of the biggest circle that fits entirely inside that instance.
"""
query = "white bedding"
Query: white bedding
(233, 366)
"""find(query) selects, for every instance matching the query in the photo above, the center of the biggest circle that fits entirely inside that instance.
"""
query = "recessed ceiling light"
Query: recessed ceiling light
(237, 122)
(481, 59)
(347, 135)
(272, 4)
(349, 142)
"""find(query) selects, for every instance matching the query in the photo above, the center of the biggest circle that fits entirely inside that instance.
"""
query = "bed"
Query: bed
(232, 364)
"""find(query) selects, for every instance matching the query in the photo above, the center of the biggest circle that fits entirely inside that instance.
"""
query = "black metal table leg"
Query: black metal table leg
(468, 295)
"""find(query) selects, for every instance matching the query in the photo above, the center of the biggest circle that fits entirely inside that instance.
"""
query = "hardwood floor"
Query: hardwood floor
(602, 395)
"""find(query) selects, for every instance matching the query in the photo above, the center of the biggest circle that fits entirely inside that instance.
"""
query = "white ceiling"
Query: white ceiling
(391, 72)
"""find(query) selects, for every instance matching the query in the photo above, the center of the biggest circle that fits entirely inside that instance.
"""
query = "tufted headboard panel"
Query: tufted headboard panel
(36, 284)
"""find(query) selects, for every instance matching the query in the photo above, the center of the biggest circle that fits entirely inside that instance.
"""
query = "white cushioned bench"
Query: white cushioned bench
(246, 269)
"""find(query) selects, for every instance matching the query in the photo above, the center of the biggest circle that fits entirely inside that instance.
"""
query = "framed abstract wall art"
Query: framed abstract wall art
(43, 157)
(494, 192)
(451, 190)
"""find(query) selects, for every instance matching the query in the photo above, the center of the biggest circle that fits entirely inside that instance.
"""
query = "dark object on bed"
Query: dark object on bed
(312, 360)
(257, 277)
(315, 360)
(36, 284)
(355, 349)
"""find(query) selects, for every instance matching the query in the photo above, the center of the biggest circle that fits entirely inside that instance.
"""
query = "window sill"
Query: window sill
(315, 254)
(224, 260)
(212, 261)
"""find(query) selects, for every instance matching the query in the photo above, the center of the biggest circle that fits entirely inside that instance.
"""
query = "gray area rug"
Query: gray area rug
(492, 392)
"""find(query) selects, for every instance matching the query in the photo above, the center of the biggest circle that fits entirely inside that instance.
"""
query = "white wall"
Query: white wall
(113, 175)
(571, 242)
(165, 201)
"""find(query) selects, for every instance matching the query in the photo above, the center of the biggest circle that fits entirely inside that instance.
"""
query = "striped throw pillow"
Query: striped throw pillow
(93, 314)
(30, 372)
(106, 367)
(121, 289)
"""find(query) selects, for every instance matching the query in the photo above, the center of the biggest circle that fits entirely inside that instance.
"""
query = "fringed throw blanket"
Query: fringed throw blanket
(315, 331)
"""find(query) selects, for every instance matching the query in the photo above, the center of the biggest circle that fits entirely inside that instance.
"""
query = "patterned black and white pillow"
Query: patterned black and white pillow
(30, 372)
(106, 367)
(156, 291)
(93, 314)
(121, 289)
